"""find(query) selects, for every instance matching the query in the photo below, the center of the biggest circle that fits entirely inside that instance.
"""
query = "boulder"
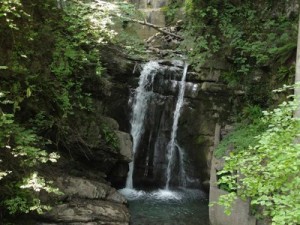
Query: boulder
(86, 211)
(110, 122)
(87, 202)
(88, 189)
(125, 145)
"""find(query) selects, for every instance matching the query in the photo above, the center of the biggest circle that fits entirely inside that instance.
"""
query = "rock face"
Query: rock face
(87, 202)
(89, 212)
(96, 142)
(98, 147)
(206, 103)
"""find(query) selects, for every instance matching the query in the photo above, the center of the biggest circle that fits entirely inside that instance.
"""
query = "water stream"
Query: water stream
(139, 108)
(172, 144)
(166, 207)
(175, 204)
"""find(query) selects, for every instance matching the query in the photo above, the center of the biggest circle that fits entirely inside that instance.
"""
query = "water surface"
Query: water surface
(167, 207)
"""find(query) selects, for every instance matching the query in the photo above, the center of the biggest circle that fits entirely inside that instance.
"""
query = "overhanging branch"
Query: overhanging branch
(158, 28)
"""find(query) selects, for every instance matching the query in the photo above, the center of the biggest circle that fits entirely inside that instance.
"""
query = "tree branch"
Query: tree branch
(158, 28)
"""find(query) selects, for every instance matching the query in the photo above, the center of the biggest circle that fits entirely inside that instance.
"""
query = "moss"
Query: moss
(243, 136)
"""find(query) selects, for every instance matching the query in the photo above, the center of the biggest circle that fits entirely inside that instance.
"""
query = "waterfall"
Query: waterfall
(142, 96)
(172, 144)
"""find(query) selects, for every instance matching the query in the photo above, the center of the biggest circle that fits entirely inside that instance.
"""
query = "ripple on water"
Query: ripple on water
(167, 207)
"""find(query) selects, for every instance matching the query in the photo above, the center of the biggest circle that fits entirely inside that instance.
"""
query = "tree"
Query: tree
(297, 75)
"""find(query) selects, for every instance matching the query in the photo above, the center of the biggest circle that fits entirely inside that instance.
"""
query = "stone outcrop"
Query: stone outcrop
(87, 202)
(125, 144)
(88, 197)
(96, 141)
(88, 212)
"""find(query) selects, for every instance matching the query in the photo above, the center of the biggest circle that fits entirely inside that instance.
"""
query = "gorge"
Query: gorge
(163, 172)
(146, 113)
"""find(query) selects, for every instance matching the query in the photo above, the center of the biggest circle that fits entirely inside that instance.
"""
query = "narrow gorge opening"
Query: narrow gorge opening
(163, 186)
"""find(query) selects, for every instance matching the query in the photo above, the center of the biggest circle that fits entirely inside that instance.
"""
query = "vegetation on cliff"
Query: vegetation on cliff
(266, 169)
(259, 39)
(50, 69)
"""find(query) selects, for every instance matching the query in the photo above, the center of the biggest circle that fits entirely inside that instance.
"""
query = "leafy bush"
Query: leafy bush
(20, 155)
(251, 35)
(244, 133)
(110, 137)
(49, 57)
(267, 171)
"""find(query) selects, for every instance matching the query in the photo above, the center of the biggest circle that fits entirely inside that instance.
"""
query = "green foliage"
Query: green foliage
(127, 36)
(171, 11)
(110, 137)
(244, 133)
(239, 139)
(10, 11)
(50, 67)
(267, 171)
(20, 155)
(249, 34)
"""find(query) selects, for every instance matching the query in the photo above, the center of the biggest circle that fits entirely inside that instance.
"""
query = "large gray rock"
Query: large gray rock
(87, 202)
(87, 189)
(110, 122)
(89, 212)
(125, 145)
(87, 223)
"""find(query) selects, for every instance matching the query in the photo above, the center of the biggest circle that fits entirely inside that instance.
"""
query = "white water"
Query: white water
(172, 144)
(162, 194)
(140, 104)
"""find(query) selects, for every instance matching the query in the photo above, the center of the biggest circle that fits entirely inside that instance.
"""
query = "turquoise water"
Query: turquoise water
(165, 207)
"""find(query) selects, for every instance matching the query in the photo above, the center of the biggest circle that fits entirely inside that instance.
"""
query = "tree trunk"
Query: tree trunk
(297, 75)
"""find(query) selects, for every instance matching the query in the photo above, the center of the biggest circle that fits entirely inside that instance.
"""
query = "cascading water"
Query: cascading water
(140, 104)
(172, 146)
(151, 124)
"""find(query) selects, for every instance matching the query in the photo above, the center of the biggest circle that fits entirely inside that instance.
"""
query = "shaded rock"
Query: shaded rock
(84, 188)
(204, 75)
(118, 174)
(213, 87)
(125, 145)
(110, 122)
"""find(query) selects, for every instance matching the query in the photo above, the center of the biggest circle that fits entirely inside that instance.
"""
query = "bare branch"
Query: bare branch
(158, 28)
